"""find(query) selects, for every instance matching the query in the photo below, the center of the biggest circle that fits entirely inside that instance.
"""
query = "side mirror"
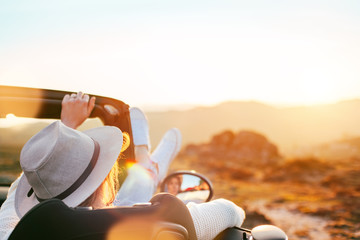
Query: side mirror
(268, 232)
(188, 186)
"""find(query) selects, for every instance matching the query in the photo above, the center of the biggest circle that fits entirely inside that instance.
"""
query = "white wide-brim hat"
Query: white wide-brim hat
(61, 161)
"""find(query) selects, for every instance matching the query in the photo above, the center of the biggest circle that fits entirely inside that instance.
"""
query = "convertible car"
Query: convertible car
(25, 111)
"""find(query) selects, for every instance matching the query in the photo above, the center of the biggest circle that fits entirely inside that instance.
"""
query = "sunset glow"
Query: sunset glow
(159, 53)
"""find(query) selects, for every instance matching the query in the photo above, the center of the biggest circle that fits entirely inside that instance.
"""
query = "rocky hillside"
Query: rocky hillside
(229, 154)
(309, 197)
(242, 148)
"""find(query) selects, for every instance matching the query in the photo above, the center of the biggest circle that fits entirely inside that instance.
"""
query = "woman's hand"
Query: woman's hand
(76, 108)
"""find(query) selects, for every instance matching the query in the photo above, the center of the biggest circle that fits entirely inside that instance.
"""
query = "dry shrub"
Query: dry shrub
(303, 170)
(349, 178)
(241, 174)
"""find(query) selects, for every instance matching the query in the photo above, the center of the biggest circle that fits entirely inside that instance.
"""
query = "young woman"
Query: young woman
(174, 185)
(80, 169)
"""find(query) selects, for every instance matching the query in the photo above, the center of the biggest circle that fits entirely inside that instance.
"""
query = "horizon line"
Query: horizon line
(189, 106)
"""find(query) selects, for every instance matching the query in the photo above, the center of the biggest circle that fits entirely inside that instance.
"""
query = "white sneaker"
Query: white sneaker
(140, 127)
(166, 151)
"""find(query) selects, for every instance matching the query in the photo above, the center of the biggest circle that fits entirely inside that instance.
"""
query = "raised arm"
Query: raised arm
(76, 108)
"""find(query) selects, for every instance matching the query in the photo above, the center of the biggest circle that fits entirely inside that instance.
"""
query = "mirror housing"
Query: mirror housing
(188, 186)
(268, 232)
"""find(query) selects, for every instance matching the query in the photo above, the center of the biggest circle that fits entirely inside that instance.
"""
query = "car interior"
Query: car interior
(52, 219)
(23, 112)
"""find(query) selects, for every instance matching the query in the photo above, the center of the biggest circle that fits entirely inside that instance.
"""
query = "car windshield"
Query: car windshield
(15, 132)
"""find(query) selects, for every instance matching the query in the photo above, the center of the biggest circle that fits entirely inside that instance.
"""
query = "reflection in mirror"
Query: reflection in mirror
(187, 187)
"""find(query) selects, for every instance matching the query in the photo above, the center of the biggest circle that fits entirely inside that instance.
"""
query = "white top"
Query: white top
(8, 216)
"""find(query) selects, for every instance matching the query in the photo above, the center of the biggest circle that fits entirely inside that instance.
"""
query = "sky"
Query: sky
(166, 54)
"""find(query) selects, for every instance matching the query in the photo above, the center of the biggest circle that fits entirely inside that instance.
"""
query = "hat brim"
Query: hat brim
(110, 140)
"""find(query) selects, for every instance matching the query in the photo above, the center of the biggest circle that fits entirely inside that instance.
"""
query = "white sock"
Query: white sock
(213, 217)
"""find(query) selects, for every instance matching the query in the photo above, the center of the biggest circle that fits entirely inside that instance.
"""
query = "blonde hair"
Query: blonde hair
(111, 184)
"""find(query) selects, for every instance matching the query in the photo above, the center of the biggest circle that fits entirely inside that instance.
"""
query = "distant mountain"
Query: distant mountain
(289, 128)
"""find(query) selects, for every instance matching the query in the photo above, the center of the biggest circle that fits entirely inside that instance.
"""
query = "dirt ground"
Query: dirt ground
(307, 204)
